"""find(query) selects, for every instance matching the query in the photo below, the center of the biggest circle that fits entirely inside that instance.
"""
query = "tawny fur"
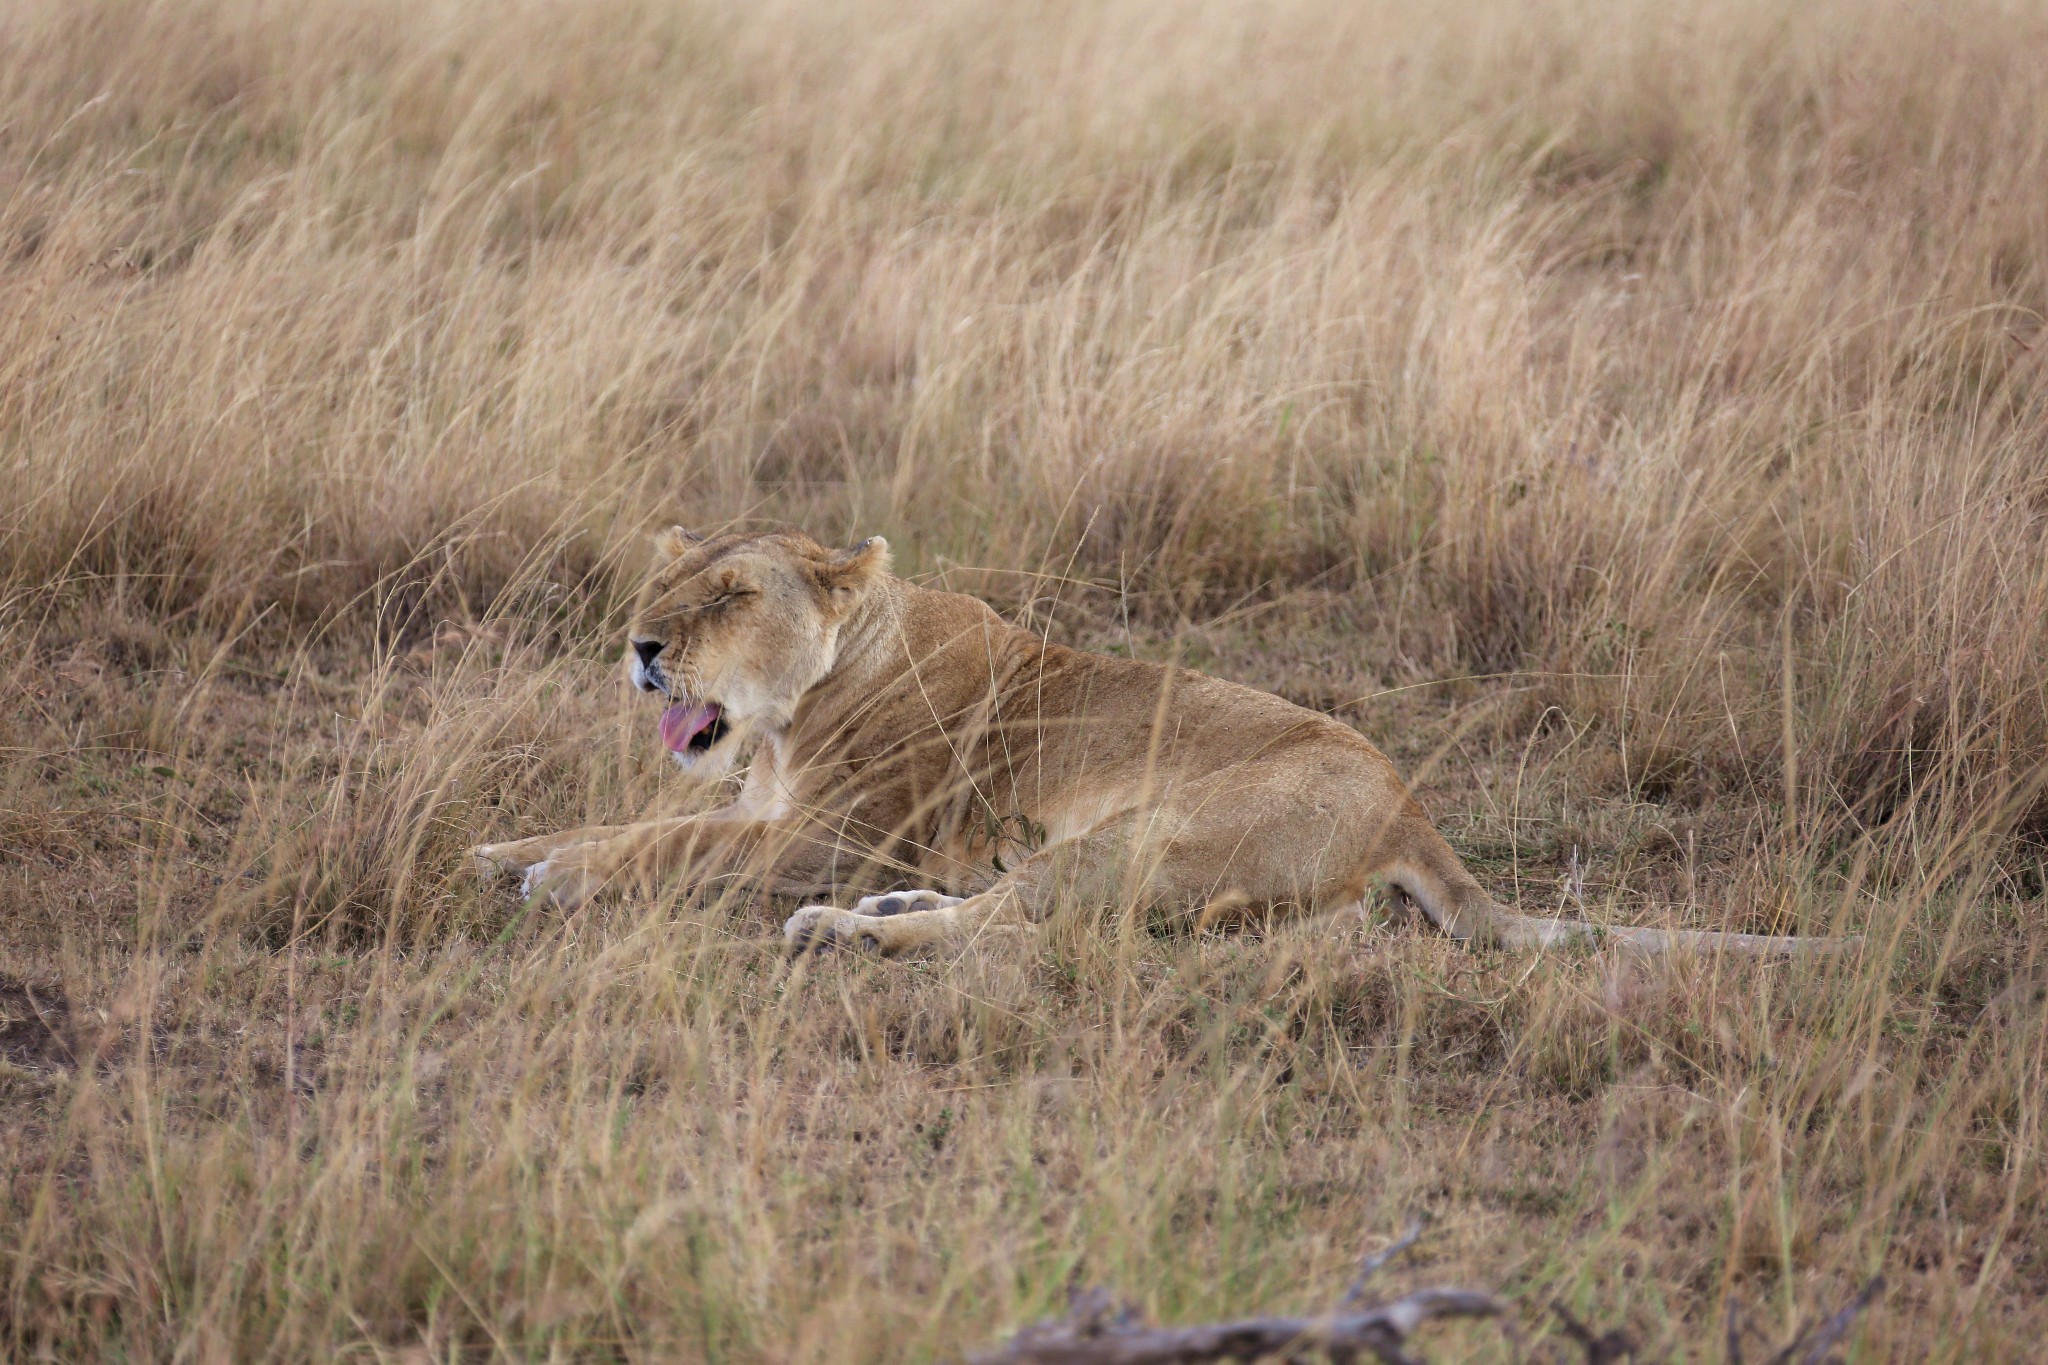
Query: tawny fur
(907, 737)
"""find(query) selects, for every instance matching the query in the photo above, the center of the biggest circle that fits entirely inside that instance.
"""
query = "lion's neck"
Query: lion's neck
(894, 633)
(867, 637)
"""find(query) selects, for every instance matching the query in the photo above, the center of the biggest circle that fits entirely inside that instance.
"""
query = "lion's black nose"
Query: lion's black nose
(647, 649)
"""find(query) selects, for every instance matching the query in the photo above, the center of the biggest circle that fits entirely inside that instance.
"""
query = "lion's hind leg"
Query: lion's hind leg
(1087, 868)
(898, 922)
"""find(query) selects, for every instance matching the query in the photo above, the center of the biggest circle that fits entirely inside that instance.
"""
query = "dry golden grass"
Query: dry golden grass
(1638, 425)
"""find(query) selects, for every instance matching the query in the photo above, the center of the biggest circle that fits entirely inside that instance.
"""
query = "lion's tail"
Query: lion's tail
(1429, 874)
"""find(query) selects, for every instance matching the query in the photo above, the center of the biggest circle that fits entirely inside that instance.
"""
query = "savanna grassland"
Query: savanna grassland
(1635, 420)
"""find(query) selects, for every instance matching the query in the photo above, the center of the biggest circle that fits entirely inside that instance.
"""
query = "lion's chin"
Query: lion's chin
(713, 762)
(693, 727)
(720, 754)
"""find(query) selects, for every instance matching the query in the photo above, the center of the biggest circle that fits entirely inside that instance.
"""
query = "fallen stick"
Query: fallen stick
(1092, 1337)
(1100, 1331)
(1818, 1341)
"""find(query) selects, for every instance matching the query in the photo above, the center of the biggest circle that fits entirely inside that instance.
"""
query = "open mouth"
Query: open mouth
(692, 727)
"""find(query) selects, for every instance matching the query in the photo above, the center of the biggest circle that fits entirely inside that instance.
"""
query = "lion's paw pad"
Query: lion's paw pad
(902, 903)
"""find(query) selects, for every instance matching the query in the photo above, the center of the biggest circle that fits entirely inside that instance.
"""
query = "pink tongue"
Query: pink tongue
(682, 723)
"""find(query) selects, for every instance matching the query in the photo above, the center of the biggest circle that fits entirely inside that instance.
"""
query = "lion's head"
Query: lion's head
(734, 629)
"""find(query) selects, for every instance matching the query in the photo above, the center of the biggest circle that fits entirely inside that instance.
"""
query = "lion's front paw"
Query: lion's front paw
(821, 928)
(499, 860)
(566, 883)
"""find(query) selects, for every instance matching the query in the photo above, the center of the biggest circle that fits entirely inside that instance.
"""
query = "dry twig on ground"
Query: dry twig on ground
(1811, 1344)
(1098, 1330)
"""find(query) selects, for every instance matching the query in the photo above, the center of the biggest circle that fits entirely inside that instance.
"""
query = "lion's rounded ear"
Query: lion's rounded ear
(847, 574)
(675, 541)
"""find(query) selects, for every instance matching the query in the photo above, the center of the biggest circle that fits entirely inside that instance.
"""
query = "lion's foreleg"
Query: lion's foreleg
(691, 850)
(797, 858)
(516, 855)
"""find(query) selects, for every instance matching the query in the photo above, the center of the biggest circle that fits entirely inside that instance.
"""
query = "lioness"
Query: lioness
(904, 736)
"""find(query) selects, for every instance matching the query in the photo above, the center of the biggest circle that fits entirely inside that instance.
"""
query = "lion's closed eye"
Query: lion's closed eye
(725, 597)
